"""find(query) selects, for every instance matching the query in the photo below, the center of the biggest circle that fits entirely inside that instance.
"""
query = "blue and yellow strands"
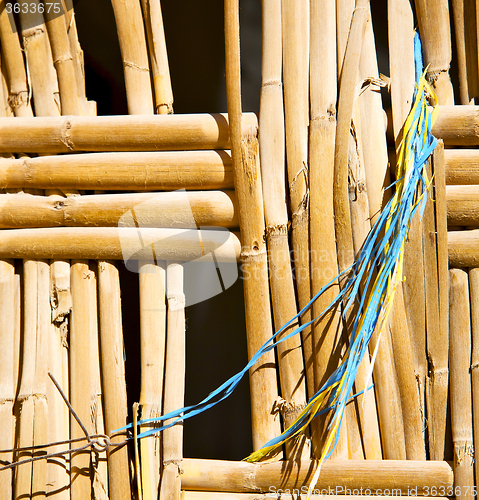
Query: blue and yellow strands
(369, 287)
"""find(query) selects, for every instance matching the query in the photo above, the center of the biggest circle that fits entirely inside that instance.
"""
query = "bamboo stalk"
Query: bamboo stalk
(324, 266)
(7, 382)
(244, 146)
(19, 98)
(462, 205)
(474, 299)
(462, 166)
(174, 387)
(167, 170)
(177, 209)
(39, 60)
(218, 495)
(457, 125)
(113, 376)
(295, 21)
(463, 248)
(58, 476)
(434, 27)
(63, 60)
(131, 35)
(113, 243)
(80, 375)
(460, 386)
(153, 337)
(283, 298)
(218, 475)
(158, 56)
(113, 133)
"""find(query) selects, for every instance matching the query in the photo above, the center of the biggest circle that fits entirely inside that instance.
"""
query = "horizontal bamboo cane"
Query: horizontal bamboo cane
(218, 475)
(117, 133)
(115, 243)
(457, 125)
(193, 209)
(463, 248)
(343, 494)
(165, 170)
(462, 166)
(463, 205)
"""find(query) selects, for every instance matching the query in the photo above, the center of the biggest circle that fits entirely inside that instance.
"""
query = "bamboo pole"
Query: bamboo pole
(152, 277)
(434, 27)
(404, 476)
(462, 205)
(63, 60)
(463, 248)
(58, 474)
(166, 170)
(7, 382)
(462, 166)
(248, 190)
(214, 495)
(324, 265)
(113, 376)
(174, 387)
(18, 98)
(460, 385)
(194, 209)
(40, 63)
(80, 375)
(283, 298)
(457, 125)
(158, 56)
(295, 26)
(474, 294)
(113, 133)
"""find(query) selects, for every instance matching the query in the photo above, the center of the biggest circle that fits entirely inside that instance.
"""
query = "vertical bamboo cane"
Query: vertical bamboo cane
(324, 264)
(113, 376)
(58, 478)
(174, 381)
(131, 34)
(7, 385)
(274, 192)
(474, 298)
(80, 375)
(158, 56)
(434, 27)
(460, 387)
(253, 255)
(153, 337)
(296, 111)
(459, 29)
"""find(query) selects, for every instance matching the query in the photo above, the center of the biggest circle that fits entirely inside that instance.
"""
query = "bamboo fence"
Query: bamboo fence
(290, 197)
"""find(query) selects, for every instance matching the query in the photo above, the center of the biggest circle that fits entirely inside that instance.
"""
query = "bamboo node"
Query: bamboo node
(135, 66)
(19, 99)
(463, 450)
(276, 230)
(65, 136)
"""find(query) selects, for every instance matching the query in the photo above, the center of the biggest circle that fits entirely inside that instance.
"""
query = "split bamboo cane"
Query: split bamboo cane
(194, 209)
(460, 386)
(7, 384)
(403, 476)
(248, 190)
(80, 375)
(113, 376)
(153, 337)
(274, 192)
(174, 387)
(324, 265)
(434, 27)
(113, 133)
(295, 24)
(168, 170)
(131, 35)
(158, 56)
(474, 298)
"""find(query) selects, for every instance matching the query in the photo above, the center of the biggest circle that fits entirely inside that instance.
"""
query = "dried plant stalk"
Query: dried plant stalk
(80, 375)
(153, 342)
(131, 35)
(178, 209)
(460, 383)
(214, 495)
(174, 392)
(244, 146)
(113, 376)
(474, 298)
(166, 170)
(7, 381)
(158, 56)
(463, 248)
